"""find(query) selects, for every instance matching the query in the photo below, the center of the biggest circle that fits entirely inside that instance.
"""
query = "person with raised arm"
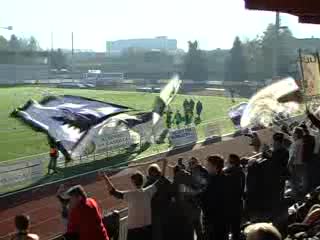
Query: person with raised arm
(139, 204)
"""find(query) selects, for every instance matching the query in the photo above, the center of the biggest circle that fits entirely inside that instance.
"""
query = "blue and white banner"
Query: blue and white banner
(67, 119)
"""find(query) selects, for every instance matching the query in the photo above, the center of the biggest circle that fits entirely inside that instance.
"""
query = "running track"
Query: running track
(45, 212)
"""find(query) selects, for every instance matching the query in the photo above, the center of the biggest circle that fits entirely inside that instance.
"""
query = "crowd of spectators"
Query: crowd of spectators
(269, 198)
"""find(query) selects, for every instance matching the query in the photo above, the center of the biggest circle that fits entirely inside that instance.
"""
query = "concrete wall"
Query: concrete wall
(17, 74)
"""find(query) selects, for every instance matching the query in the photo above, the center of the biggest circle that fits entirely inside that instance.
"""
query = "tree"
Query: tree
(195, 63)
(33, 44)
(252, 50)
(3, 43)
(283, 49)
(14, 43)
(236, 63)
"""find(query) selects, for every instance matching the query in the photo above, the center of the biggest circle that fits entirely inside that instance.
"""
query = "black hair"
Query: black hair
(22, 222)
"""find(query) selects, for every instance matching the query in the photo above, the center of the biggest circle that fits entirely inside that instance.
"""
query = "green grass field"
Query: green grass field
(18, 140)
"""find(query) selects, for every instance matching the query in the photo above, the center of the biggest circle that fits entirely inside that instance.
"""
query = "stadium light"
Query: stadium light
(8, 28)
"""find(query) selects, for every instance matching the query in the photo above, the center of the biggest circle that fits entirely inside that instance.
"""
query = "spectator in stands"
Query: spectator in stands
(22, 223)
(85, 218)
(64, 201)
(296, 166)
(139, 204)
(279, 162)
(262, 231)
(160, 203)
(182, 208)
(235, 190)
(200, 177)
(308, 158)
(181, 164)
(213, 200)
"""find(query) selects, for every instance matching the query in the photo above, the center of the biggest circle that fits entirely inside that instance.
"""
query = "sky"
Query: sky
(213, 23)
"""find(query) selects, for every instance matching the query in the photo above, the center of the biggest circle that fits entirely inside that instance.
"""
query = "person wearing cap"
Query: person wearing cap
(139, 204)
(22, 223)
(85, 217)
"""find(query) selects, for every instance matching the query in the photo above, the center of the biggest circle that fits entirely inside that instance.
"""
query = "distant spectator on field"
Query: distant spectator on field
(22, 223)
(54, 154)
(85, 217)
(199, 108)
(139, 204)
(178, 118)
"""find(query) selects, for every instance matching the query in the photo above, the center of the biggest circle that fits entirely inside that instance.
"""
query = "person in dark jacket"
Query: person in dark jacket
(199, 177)
(160, 203)
(308, 147)
(277, 173)
(235, 190)
(213, 200)
(199, 108)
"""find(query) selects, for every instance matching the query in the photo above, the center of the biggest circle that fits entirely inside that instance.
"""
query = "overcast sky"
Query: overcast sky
(214, 23)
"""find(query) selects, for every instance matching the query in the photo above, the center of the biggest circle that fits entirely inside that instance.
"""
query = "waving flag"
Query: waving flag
(265, 105)
(66, 118)
(235, 113)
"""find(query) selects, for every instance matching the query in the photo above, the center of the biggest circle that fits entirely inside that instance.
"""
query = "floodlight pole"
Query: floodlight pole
(276, 46)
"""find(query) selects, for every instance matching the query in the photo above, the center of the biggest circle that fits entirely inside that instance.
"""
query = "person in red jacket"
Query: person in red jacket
(85, 218)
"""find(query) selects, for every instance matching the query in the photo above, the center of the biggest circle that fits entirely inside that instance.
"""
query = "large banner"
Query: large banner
(310, 69)
(67, 118)
(183, 137)
(20, 173)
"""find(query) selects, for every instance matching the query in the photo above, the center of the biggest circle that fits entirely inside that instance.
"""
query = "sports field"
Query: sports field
(18, 140)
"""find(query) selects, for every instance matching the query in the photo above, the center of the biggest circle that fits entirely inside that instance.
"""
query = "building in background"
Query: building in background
(114, 48)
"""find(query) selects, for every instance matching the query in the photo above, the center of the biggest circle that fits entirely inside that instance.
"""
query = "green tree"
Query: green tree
(14, 43)
(252, 50)
(195, 63)
(236, 69)
(281, 46)
(33, 44)
(3, 43)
